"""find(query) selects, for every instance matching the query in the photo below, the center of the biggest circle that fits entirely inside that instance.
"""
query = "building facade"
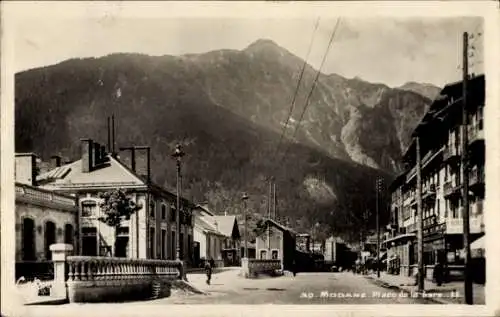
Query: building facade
(43, 218)
(276, 242)
(151, 231)
(440, 146)
(208, 238)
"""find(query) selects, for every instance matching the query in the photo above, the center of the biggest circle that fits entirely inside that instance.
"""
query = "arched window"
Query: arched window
(68, 234)
(28, 240)
(50, 238)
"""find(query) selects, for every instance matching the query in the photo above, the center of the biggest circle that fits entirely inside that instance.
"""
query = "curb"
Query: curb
(52, 301)
(181, 284)
(383, 284)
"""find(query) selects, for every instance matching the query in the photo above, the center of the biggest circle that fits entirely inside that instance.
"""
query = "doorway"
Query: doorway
(28, 245)
(50, 238)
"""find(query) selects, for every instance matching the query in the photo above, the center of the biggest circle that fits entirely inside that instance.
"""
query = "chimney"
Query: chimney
(97, 154)
(55, 161)
(87, 157)
(26, 168)
(103, 153)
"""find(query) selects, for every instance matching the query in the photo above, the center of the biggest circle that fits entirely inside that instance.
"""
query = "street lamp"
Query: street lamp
(244, 198)
(177, 155)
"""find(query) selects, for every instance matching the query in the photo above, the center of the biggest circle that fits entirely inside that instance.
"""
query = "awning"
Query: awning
(478, 244)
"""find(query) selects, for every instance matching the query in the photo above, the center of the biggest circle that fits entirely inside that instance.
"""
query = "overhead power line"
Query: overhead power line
(292, 105)
(312, 88)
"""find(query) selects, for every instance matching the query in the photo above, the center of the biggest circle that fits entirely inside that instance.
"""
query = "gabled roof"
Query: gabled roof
(281, 227)
(227, 224)
(111, 173)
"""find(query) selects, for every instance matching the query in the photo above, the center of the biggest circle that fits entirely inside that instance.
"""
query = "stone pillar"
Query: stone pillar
(245, 270)
(59, 253)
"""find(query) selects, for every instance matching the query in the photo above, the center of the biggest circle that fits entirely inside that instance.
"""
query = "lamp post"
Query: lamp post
(244, 198)
(177, 155)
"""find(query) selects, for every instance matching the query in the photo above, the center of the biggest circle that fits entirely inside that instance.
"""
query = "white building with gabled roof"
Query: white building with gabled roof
(151, 231)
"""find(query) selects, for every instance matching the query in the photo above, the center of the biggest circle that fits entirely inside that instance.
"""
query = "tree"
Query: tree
(117, 206)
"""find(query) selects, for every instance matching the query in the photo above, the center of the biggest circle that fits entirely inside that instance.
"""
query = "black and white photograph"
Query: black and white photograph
(316, 159)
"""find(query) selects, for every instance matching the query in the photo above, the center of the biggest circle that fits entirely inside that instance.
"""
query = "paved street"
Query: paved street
(306, 288)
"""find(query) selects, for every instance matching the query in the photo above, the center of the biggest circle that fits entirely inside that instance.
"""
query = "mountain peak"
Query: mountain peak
(263, 44)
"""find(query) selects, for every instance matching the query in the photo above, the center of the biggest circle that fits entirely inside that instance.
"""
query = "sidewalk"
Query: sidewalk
(448, 293)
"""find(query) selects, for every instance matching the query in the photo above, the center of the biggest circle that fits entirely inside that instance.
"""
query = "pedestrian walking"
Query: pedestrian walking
(209, 264)
(438, 273)
(294, 268)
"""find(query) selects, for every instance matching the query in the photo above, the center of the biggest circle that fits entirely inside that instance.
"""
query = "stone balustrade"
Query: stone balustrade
(31, 194)
(85, 268)
(254, 267)
(108, 279)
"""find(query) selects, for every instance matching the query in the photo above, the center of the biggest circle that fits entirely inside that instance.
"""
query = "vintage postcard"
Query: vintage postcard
(341, 157)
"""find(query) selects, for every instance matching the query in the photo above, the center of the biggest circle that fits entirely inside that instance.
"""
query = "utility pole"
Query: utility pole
(269, 216)
(378, 185)
(465, 176)
(274, 201)
(245, 250)
(420, 220)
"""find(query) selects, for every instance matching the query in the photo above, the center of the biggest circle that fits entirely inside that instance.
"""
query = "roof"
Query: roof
(226, 224)
(279, 226)
(204, 209)
(112, 173)
(208, 223)
(452, 91)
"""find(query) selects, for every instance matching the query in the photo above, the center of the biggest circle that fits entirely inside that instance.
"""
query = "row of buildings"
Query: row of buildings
(440, 146)
(62, 205)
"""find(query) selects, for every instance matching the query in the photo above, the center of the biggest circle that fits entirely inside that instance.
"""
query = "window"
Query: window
(68, 234)
(89, 241)
(28, 249)
(89, 209)
(163, 212)
(263, 254)
(163, 243)
(274, 254)
(172, 245)
(50, 238)
(152, 209)
(173, 213)
(480, 118)
(152, 243)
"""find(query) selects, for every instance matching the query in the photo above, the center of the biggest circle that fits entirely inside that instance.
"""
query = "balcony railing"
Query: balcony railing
(475, 134)
(476, 177)
(455, 225)
(42, 195)
(451, 152)
(451, 188)
(85, 268)
(429, 192)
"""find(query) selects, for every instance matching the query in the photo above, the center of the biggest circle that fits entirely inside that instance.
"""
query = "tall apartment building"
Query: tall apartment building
(440, 152)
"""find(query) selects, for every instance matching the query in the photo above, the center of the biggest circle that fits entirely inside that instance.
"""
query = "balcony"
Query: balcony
(412, 228)
(476, 177)
(429, 193)
(451, 154)
(475, 135)
(451, 189)
(456, 225)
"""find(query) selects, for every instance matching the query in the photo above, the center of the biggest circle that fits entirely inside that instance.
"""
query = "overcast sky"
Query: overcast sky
(384, 50)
